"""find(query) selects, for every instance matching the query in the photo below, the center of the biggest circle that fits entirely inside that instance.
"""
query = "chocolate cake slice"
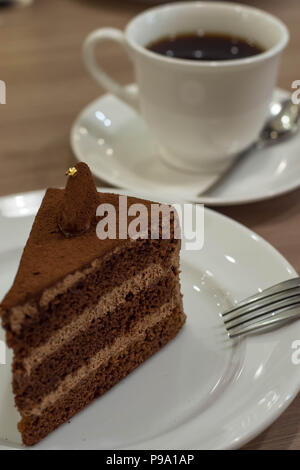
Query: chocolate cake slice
(84, 312)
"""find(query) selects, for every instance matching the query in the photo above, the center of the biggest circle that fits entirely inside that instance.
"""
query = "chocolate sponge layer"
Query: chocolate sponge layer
(36, 427)
(100, 332)
(69, 302)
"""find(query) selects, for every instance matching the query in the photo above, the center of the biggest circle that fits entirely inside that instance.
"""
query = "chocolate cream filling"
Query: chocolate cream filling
(32, 328)
(107, 304)
(102, 357)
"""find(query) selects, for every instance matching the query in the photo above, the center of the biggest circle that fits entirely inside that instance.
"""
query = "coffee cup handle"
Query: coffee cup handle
(125, 93)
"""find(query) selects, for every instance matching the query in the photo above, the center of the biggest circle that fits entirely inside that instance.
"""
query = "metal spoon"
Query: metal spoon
(282, 123)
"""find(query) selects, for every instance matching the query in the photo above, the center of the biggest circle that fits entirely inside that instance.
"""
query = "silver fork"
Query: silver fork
(274, 305)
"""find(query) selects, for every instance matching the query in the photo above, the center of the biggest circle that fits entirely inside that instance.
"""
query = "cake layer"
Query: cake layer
(108, 303)
(32, 325)
(48, 369)
(103, 371)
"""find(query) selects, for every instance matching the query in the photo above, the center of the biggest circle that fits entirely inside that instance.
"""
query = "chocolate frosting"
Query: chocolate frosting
(50, 254)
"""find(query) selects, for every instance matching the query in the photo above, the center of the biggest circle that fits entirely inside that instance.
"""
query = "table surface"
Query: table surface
(47, 86)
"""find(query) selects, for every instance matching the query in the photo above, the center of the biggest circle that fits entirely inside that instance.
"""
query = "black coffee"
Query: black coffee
(209, 46)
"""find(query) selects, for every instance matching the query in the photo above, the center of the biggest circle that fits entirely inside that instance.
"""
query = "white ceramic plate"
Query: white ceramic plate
(202, 391)
(115, 142)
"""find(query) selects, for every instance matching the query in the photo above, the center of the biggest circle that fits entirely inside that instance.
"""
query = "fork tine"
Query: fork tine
(263, 306)
(282, 287)
(276, 317)
(258, 314)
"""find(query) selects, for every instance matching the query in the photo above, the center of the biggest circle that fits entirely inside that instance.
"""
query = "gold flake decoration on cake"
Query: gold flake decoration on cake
(71, 171)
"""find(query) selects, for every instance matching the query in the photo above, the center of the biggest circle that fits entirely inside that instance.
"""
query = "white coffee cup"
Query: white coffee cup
(203, 113)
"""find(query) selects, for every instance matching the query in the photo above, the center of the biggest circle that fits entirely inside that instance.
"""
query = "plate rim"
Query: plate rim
(276, 412)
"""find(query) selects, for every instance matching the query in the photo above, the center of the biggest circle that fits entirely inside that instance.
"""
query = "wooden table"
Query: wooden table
(47, 85)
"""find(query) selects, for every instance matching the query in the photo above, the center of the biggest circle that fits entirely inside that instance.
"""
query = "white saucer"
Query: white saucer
(202, 391)
(114, 141)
